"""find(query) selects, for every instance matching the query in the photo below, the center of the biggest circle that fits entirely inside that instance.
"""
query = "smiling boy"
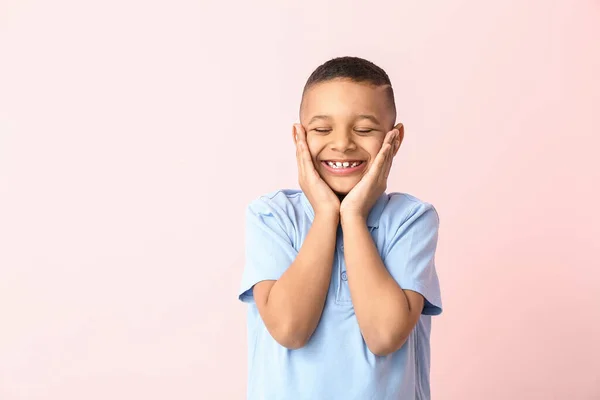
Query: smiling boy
(340, 276)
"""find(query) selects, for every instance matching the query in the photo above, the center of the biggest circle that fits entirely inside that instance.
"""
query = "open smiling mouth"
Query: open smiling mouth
(343, 167)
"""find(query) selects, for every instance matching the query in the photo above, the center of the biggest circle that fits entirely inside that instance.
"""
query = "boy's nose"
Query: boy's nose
(342, 141)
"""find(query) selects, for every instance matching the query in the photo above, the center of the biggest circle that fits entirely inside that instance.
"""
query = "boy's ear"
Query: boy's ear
(400, 128)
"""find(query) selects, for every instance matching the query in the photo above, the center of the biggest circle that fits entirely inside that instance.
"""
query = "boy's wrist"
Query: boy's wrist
(331, 216)
(350, 218)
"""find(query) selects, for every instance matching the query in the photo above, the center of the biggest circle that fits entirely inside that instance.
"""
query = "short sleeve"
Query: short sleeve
(268, 248)
(410, 258)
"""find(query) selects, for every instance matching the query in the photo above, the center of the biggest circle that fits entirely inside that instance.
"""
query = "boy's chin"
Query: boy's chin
(341, 190)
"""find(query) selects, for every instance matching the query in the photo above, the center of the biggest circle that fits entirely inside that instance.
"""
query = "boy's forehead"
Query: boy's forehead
(344, 98)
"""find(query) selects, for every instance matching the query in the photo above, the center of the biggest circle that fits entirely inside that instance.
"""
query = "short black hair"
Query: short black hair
(355, 69)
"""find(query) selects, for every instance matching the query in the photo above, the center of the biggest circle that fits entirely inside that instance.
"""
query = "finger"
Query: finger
(391, 136)
(387, 148)
(388, 165)
(296, 143)
(309, 166)
(307, 162)
(392, 152)
(304, 159)
(294, 134)
(304, 152)
(379, 162)
(298, 133)
(299, 160)
(387, 151)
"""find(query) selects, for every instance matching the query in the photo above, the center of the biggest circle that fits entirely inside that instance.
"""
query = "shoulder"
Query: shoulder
(280, 209)
(403, 210)
(280, 202)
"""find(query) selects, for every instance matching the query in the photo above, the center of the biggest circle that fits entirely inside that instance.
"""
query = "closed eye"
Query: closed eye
(367, 132)
(328, 130)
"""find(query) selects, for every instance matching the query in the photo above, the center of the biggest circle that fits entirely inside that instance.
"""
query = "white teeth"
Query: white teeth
(345, 164)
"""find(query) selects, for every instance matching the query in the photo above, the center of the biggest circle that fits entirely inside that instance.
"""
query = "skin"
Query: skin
(292, 306)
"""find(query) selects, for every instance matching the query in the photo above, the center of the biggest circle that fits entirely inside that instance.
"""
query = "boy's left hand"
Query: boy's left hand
(358, 202)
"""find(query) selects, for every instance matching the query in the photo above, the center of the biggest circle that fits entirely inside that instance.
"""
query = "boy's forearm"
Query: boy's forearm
(380, 304)
(296, 300)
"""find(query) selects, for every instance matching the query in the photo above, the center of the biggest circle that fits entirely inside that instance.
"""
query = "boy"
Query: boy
(339, 276)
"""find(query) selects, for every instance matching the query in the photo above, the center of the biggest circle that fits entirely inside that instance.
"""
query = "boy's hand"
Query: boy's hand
(362, 197)
(320, 195)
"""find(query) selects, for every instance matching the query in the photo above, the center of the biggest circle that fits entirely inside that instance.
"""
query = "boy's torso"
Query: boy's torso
(336, 363)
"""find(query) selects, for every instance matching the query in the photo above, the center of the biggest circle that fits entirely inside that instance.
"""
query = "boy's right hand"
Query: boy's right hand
(321, 197)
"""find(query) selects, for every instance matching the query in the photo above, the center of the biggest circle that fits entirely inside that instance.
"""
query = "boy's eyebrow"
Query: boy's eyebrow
(369, 117)
(360, 116)
(316, 117)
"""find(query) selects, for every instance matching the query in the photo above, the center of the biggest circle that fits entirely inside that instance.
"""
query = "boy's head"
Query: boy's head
(347, 108)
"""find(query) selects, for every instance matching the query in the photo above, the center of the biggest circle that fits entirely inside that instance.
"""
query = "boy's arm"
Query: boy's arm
(291, 306)
(385, 312)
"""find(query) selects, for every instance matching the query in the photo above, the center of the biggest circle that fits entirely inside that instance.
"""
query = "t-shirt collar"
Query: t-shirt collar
(372, 219)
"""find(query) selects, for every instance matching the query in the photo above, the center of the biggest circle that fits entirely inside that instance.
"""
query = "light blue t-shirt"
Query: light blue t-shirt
(336, 363)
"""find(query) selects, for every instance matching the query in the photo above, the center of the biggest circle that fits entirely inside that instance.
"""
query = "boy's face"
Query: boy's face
(336, 133)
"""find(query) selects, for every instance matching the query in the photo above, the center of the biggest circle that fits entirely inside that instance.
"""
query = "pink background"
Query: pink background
(133, 134)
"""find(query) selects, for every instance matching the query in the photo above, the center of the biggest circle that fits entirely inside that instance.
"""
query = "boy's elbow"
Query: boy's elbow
(385, 344)
(291, 343)
(291, 337)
